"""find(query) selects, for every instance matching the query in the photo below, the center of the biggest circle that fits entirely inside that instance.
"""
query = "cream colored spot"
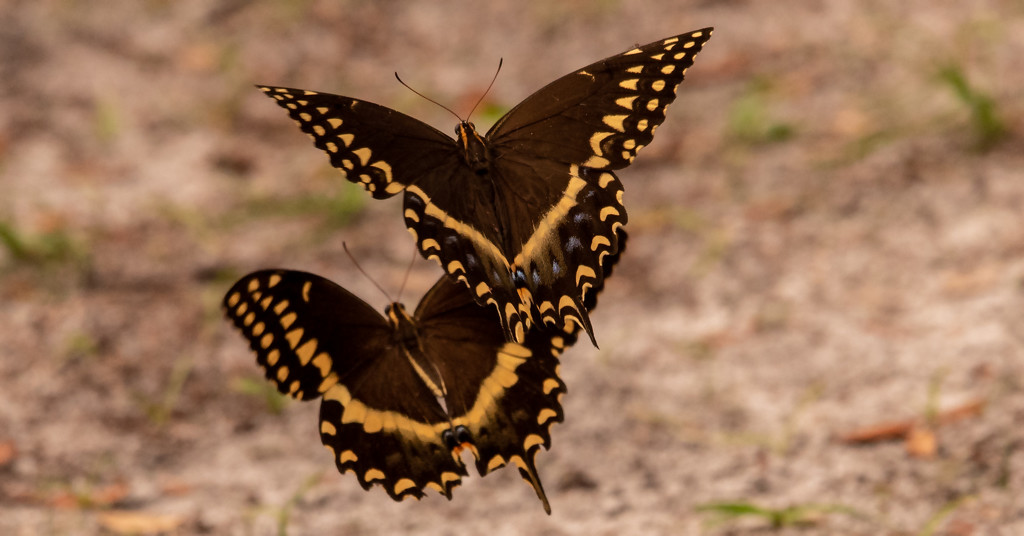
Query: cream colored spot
(394, 188)
(320, 131)
(282, 373)
(308, 92)
(531, 441)
(626, 102)
(641, 125)
(295, 335)
(265, 302)
(455, 266)
(242, 309)
(327, 428)
(364, 154)
(657, 57)
(429, 243)
(306, 351)
(629, 144)
(631, 52)
(596, 162)
(403, 485)
(670, 40)
(254, 285)
(249, 318)
(496, 462)
(305, 290)
(291, 106)
(545, 415)
(332, 147)
(281, 306)
(679, 56)
(257, 330)
(608, 211)
(691, 44)
(321, 109)
(273, 356)
(615, 121)
(334, 122)
(652, 105)
(636, 70)
(305, 116)
(323, 362)
(347, 164)
(293, 388)
(348, 456)
(346, 139)
(584, 271)
(411, 215)
(595, 141)
(629, 84)
(267, 340)
(385, 167)
(288, 319)
(233, 299)
(274, 280)
(364, 178)
(626, 155)
(482, 289)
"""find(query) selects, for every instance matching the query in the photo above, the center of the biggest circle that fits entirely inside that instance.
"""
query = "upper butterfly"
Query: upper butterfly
(524, 215)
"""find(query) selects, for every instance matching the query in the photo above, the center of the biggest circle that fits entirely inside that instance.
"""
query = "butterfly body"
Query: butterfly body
(525, 214)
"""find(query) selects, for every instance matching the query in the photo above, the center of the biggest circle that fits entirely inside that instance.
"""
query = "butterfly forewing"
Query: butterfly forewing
(376, 147)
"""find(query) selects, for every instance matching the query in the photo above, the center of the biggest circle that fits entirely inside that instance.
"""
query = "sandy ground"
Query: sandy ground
(823, 239)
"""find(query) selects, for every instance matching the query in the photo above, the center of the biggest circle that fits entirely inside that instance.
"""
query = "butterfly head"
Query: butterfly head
(403, 324)
(472, 147)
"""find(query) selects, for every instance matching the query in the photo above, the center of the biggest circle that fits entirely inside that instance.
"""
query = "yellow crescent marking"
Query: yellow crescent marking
(636, 70)
(334, 122)
(599, 241)
(306, 351)
(435, 486)
(629, 84)
(430, 243)
(566, 301)
(531, 441)
(411, 215)
(233, 299)
(596, 162)
(249, 318)
(544, 306)
(319, 130)
(385, 167)
(288, 319)
(348, 456)
(608, 211)
(626, 102)
(294, 336)
(670, 40)
(305, 290)
(364, 154)
(323, 362)
(496, 462)
(658, 85)
(273, 356)
(267, 340)
(281, 306)
(545, 415)
(482, 289)
(282, 373)
(606, 178)
(596, 139)
(327, 428)
(327, 383)
(449, 476)
(455, 266)
(257, 330)
(614, 122)
(403, 485)
(631, 52)
(373, 474)
(584, 271)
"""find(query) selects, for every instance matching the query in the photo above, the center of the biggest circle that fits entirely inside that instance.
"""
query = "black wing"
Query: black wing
(374, 146)
(378, 418)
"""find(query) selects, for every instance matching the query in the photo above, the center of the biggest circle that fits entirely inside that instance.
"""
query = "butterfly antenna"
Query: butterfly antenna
(408, 271)
(360, 268)
(489, 86)
(428, 99)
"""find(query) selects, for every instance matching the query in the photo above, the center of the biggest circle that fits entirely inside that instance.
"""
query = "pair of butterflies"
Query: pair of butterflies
(527, 223)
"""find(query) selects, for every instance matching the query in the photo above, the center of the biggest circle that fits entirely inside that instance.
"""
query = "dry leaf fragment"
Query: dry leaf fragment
(130, 522)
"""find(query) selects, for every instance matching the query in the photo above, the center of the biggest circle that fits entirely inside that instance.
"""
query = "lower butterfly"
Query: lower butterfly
(403, 395)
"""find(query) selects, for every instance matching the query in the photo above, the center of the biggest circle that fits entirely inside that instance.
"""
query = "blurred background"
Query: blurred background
(816, 329)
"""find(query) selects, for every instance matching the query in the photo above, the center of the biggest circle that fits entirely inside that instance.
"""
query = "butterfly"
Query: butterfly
(524, 214)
